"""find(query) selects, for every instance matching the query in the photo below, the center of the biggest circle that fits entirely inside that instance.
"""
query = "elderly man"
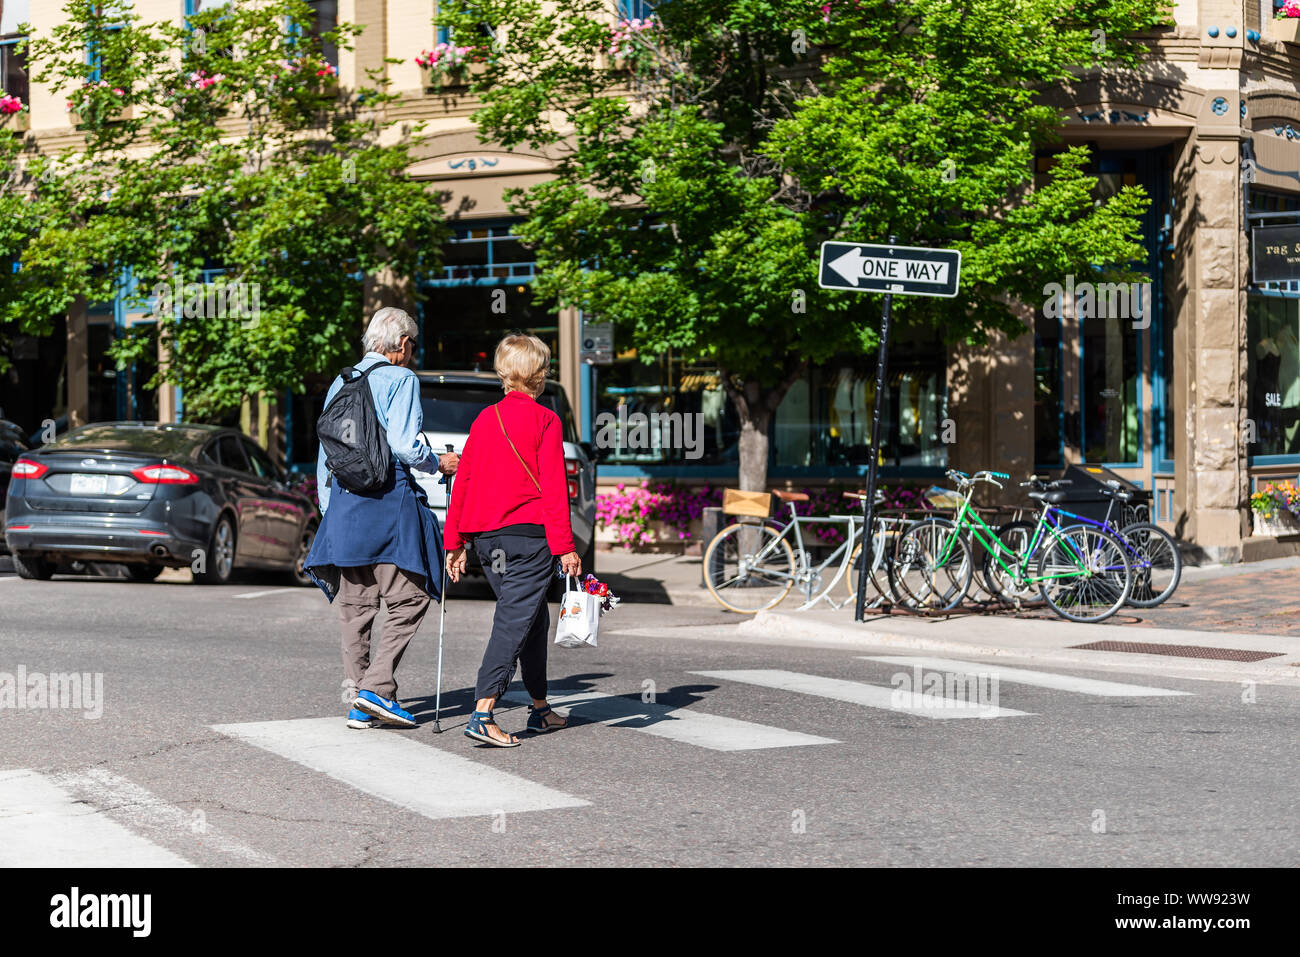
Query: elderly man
(383, 543)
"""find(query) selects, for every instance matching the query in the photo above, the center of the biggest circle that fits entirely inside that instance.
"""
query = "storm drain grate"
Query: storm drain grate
(1180, 651)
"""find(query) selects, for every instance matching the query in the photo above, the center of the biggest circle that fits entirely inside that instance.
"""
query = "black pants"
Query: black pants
(519, 569)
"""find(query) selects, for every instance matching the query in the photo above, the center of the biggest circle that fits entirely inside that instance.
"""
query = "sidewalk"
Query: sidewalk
(654, 579)
(1236, 609)
(1254, 597)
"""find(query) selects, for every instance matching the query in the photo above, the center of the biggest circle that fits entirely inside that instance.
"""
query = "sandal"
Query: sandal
(476, 729)
(537, 722)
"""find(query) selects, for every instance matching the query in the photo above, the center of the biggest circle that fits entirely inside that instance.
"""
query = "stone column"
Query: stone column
(570, 369)
(78, 359)
(166, 390)
(1214, 466)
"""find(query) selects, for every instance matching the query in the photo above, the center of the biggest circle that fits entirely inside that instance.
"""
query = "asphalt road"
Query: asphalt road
(674, 768)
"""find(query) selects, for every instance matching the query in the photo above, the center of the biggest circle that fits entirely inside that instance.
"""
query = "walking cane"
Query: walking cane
(442, 622)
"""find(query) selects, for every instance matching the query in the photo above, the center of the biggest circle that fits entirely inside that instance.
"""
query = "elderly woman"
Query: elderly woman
(510, 503)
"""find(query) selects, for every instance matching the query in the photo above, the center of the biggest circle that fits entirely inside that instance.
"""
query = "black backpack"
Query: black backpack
(356, 448)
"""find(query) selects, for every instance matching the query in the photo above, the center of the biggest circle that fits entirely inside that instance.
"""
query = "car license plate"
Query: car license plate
(89, 484)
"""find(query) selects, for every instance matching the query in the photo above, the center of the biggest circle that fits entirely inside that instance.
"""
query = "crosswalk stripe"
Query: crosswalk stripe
(418, 777)
(41, 825)
(1022, 676)
(272, 591)
(870, 696)
(143, 809)
(712, 731)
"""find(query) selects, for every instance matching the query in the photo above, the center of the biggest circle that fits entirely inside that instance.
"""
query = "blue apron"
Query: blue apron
(392, 525)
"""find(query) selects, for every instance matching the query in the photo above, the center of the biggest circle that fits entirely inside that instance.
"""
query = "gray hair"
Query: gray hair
(384, 334)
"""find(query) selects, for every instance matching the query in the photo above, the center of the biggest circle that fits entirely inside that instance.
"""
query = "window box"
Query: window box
(19, 122)
(126, 113)
(1286, 29)
(456, 78)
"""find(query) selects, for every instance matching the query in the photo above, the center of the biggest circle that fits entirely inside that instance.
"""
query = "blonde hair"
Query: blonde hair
(521, 363)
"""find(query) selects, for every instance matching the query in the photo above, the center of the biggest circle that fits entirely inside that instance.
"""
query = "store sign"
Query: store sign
(597, 344)
(905, 270)
(1275, 253)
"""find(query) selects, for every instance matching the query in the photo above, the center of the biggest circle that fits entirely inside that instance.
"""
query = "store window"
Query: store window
(1049, 447)
(102, 374)
(484, 292)
(1273, 377)
(630, 391)
(825, 418)
(1109, 394)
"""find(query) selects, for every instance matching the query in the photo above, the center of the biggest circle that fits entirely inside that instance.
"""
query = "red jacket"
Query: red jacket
(491, 489)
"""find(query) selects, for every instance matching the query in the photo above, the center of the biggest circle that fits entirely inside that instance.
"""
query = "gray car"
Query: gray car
(151, 496)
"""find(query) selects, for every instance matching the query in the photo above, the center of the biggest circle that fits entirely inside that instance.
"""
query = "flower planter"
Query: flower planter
(126, 113)
(434, 78)
(1280, 522)
(19, 122)
(661, 537)
(1286, 29)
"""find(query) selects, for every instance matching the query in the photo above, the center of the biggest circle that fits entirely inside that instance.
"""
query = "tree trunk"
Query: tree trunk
(756, 409)
(753, 451)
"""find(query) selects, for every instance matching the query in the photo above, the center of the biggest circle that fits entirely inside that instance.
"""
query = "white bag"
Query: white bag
(579, 617)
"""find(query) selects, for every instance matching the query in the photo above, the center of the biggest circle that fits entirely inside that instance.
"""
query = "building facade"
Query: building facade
(1197, 399)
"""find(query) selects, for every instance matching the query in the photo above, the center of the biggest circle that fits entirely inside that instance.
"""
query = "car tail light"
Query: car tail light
(164, 475)
(150, 531)
(27, 469)
(18, 528)
(571, 469)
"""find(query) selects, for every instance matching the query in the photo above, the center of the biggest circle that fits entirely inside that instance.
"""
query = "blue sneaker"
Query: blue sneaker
(360, 720)
(385, 709)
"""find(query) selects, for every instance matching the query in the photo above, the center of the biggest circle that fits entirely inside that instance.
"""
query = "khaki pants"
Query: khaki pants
(358, 602)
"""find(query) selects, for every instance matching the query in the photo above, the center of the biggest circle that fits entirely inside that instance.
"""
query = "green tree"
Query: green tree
(703, 158)
(18, 223)
(226, 178)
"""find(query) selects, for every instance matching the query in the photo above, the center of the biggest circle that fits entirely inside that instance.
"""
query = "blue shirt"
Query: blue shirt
(396, 392)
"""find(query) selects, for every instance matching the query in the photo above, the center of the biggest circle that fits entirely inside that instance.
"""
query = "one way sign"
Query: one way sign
(905, 270)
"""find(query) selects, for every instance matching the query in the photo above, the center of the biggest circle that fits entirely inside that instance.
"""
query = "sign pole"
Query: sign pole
(869, 503)
(892, 270)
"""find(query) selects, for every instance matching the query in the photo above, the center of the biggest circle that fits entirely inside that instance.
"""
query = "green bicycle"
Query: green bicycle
(1083, 572)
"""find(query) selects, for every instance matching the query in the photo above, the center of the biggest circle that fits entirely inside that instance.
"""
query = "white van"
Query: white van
(451, 401)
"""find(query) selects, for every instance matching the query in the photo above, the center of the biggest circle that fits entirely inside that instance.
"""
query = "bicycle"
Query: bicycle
(750, 566)
(1083, 573)
(1153, 552)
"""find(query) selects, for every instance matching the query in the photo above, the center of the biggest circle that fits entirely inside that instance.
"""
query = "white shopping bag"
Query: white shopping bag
(579, 617)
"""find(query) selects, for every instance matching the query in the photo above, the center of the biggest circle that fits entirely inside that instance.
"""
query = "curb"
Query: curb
(786, 625)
